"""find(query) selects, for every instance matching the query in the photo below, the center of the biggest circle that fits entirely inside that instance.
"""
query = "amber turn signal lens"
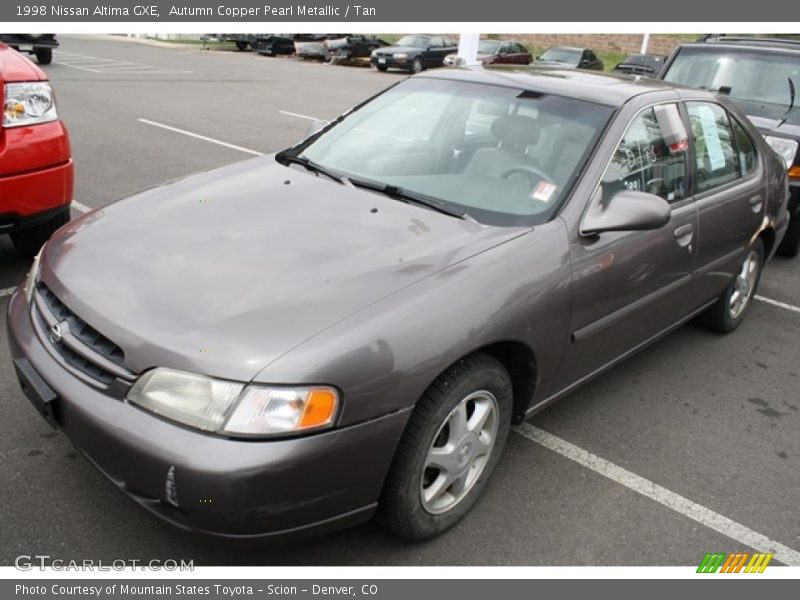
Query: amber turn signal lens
(320, 408)
(794, 172)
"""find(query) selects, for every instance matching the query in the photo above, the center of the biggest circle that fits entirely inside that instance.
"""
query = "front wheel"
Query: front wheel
(449, 449)
(44, 56)
(730, 309)
(29, 241)
(242, 45)
(416, 65)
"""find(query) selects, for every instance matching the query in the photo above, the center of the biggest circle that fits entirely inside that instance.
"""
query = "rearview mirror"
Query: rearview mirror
(316, 126)
(626, 211)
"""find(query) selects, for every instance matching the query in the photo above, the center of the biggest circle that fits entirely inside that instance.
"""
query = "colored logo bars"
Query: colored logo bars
(734, 563)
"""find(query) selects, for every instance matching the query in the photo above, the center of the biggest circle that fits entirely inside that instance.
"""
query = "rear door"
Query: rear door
(728, 192)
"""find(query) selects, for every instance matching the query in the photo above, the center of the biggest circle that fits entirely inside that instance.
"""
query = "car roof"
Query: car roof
(737, 43)
(612, 89)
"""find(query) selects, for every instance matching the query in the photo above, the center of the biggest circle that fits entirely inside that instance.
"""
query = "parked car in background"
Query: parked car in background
(351, 47)
(414, 53)
(39, 44)
(570, 58)
(762, 77)
(492, 52)
(648, 65)
(241, 40)
(447, 258)
(312, 45)
(272, 44)
(36, 173)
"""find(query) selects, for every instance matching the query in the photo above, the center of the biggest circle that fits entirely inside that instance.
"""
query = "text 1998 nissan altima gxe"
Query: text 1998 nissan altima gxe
(287, 344)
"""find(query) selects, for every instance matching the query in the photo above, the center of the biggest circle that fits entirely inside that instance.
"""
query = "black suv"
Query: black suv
(760, 76)
(40, 44)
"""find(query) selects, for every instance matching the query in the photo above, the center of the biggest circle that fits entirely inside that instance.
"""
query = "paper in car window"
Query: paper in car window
(544, 191)
(716, 156)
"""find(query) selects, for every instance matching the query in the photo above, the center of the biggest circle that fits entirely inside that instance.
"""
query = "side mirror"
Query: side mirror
(316, 126)
(626, 211)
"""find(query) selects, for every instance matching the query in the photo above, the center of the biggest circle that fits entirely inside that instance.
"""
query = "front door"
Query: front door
(629, 286)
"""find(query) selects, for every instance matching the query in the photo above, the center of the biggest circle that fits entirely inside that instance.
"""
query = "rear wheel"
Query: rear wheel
(29, 241)
(44, 56)
(242, 45)
(449, 449)
(731, 307)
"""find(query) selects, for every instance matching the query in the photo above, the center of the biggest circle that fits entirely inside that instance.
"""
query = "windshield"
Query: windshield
(415, 41)
(757, 81)
(566, 55)
(488, 47)
(501, 155)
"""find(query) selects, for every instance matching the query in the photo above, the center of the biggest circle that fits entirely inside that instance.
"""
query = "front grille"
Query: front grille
(80, 345)
(80, 329)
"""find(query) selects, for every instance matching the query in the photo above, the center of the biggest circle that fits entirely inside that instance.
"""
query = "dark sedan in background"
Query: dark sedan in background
(496, 52)
(390, 294)
(39, 44)
(564, 57)
(648, 65)
(414, 53)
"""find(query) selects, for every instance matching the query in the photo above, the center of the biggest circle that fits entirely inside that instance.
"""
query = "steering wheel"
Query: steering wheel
(528, 171)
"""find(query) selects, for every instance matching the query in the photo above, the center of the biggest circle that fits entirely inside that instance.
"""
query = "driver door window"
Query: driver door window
(651, 156)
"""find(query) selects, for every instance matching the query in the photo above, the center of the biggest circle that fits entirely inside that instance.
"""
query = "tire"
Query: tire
(420, 500)
(416, 65)
(29, 241)
(44, 56)
(790, 244)
(381, 68)
(729, 310)
(242, 45)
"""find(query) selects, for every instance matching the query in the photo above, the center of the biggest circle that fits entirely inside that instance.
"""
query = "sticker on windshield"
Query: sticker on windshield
(544, 191)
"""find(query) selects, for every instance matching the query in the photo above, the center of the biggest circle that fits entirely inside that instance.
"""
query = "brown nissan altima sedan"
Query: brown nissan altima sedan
(289, 344)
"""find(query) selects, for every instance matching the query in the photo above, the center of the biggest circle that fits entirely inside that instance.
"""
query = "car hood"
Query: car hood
(224, 272)
(15, 67)
(406, 49)
(555, 63)
(767, 126)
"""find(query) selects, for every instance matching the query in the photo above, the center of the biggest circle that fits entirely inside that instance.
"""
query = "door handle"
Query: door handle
(755, 204)
(684, 235)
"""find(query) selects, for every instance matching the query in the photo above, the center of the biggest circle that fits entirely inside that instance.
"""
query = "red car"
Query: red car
(496, 52)
(36, 172)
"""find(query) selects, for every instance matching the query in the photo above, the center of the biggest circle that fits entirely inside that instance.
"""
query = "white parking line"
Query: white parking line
(201, 137)
(649, 489)
(7, 292)
(298, 115)
(80, 207)
(101, 65)
(777, 303)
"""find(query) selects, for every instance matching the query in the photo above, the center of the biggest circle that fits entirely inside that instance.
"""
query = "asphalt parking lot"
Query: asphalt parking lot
(690, 447)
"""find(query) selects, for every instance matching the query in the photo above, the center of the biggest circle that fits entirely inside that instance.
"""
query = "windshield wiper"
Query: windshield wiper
(791, 102)
(312, 166)
(408, 196)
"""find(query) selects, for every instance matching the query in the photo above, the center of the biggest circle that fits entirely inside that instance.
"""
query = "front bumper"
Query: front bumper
(390, 62)
(278, 489)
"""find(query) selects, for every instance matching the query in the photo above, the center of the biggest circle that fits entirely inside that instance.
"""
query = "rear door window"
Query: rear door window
(745, 149)
(715, 154)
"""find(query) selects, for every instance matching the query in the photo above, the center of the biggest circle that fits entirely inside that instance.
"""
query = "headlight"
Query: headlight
(786, 148)
(373, 54)
(401, 55)
(28, 104)
(229, 407)
(33, 277)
